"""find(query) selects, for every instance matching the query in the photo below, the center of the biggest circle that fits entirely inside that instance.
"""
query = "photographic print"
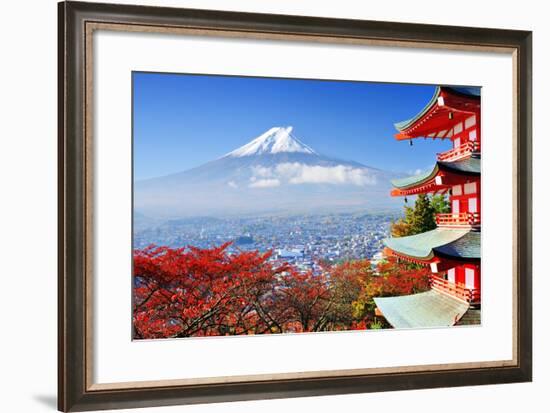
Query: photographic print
(224, 188)
(274, 206)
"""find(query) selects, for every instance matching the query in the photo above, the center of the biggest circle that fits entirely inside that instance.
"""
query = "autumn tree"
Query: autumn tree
(323, 301)
(189, 292)
(400, 228)
(202, 292)
(393, 278)
(307, 300)
(348, 280)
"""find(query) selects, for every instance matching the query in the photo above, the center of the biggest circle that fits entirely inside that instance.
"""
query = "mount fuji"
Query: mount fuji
(273, 173)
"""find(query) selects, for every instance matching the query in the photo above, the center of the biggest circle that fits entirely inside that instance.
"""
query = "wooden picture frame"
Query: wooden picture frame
(76, 390)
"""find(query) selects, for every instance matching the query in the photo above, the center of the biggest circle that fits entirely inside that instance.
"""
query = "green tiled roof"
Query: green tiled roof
(415, 179)
(468, 166)
(429, 309)
(469, 91)
(422, 245)
(468, 246)
(471, 317)
(400, 126)
(471, 165)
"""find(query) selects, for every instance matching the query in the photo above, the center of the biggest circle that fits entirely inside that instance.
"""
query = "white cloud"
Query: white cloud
(264, 183)
(297, 173)
(261, 171)
(232, 184)
(419, 171)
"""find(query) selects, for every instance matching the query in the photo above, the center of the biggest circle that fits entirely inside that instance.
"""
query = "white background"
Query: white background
(28, 204)
(207, 357)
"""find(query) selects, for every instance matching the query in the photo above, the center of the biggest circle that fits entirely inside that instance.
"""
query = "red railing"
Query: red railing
(470, 295)
(458, 219)
(462, 151)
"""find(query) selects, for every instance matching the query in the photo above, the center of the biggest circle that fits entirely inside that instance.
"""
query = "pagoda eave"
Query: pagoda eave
(433, 121)
(438, 182)
(438, 246)
(437, 262)
(428, 309)
(428, 188)
(415, 260)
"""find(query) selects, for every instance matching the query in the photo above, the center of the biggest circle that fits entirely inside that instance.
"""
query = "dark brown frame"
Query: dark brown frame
(74, 391)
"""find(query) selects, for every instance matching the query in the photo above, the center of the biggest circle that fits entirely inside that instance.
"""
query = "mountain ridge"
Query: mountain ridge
(276, 140)
(273, 172)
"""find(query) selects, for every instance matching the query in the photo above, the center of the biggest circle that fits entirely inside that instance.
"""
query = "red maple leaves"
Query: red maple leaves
(194, 292)
(209, 292)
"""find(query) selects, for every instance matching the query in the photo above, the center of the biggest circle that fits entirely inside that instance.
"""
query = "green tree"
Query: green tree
(440, 204)
(421, 217)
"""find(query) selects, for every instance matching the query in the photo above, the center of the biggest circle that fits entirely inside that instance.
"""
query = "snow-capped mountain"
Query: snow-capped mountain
(273, 173)
(275, 140)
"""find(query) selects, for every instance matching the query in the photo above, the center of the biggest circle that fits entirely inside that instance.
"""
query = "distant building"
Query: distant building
(244, 240)
(289, 254)
(376, 259)
(452, 250)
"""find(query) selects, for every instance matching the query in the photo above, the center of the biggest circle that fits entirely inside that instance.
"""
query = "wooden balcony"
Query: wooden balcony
(459, 219)
(470, 295)
(462, 151)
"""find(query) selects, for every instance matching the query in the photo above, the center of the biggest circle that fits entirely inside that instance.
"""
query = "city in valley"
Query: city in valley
(302, 240)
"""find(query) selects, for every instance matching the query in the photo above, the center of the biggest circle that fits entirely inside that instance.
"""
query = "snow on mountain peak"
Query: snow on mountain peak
(275, 140)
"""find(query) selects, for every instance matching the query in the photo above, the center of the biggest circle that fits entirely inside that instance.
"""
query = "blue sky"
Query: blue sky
(183, 121)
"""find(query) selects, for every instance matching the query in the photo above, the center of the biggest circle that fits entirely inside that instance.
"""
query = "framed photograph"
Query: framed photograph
(259, 206)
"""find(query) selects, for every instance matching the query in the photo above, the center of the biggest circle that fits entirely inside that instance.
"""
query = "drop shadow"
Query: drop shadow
(47, 400)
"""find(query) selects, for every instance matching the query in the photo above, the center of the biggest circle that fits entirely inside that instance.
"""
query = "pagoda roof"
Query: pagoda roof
(421, 245)
(469, 91)
(471, 165)
(433, 120)
(449, 243)
(471, 317)
(429, 309)
(468, 246)
(414, 180)
(404, 124)
(468, 166)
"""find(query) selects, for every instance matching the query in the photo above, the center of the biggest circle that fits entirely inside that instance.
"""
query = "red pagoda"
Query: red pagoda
(452, 250)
